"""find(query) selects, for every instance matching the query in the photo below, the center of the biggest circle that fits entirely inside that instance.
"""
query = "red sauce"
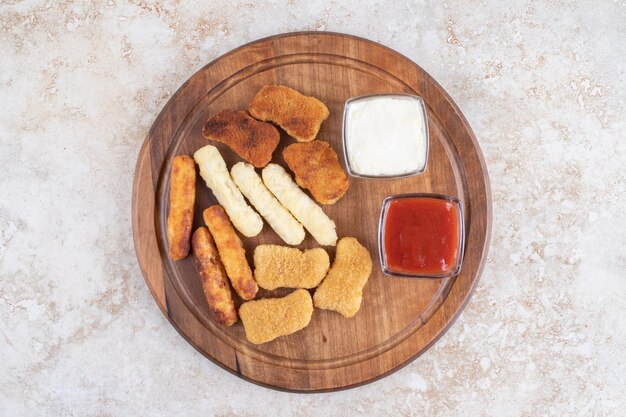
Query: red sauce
(421, 236)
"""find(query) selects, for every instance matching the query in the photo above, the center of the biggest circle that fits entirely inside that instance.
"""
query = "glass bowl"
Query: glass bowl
(345, 139)
(455, 267)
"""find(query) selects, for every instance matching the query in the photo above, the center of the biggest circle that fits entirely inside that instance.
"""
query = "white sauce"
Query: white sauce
(385, 136)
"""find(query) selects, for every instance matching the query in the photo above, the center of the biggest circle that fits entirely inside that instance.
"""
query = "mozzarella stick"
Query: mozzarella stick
(181, 200)
(214, 172)
(277, 216)
(303, 208)
(265, 320)
(231, 251)
(214, 281)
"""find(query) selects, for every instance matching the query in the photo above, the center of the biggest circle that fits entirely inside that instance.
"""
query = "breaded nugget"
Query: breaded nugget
(318, 170)
(182, 198)
(299, 115)
(265, 320)
(251, 139)
(277, 216)
(281, 266)
(342, 289)
(231, 251)
(214, 281)
(213, 171)
(303, 208)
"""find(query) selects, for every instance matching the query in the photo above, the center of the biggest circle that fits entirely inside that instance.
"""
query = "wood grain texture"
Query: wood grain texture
(399, 318)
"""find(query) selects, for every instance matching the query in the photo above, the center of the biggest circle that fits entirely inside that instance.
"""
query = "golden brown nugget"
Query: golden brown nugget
(317, 169)
(342, 289)
(251, 139)
(182, 198)
(265, 320)
(299, 115)
(231, 251)
(281, 266)
(214, 281)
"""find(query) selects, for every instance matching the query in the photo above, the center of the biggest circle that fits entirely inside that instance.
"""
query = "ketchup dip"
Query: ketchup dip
(421, 235)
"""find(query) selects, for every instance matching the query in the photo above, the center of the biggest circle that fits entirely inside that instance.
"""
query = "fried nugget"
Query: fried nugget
(342, 289)
(214, 281)
(181, 200)
(251, 139)
(317, 169)
(277, 216)
(281, 266)
(213, 171)
(231, 251)
(299, 115)
(265, 320)
(303, 208)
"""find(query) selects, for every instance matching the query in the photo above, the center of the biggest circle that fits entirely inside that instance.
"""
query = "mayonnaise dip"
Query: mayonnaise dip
(386, 136)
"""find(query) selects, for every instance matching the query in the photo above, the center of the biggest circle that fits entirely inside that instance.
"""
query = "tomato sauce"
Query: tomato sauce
(421, 236)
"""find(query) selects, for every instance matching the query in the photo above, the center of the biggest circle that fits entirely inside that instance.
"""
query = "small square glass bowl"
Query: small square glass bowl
(420, 167)
(434, 207)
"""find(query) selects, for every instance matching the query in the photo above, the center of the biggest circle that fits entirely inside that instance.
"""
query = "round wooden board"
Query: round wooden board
(399, 318)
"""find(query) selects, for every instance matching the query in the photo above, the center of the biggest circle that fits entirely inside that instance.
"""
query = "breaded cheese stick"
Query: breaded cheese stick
(281, 266)
(303, 208)
(231, 251)
(342, 289)
(265, 320)
(277, 216)
(181, 199)
(214, 281)
(214, 172)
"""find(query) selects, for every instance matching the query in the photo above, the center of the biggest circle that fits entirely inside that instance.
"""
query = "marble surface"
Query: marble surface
(543, 84)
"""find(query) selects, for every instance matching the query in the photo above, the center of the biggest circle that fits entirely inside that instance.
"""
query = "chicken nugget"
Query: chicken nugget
(181, 201)
(231, 251)
(281, 266)
(276, 215)
(303, 208)
(213, 171)
(214, 281)
(301, 116)
(317, 169)
(251, 139)
(265, 320)
(342, 289)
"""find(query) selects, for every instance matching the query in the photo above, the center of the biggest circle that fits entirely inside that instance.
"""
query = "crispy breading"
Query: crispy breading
(281, 266)
(317, 169)
(213, 171)
(342, 289)
(303, 208)
(299, 115)
(214, 281)
(251, 139)
(276, 215)
(181, 201)
(231, 251)
(265, 320)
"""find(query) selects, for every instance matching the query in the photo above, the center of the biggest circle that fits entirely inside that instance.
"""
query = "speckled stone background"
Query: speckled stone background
(543, 84)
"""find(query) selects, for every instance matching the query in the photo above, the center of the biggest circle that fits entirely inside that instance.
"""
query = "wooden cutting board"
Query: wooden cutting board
(400, 318)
